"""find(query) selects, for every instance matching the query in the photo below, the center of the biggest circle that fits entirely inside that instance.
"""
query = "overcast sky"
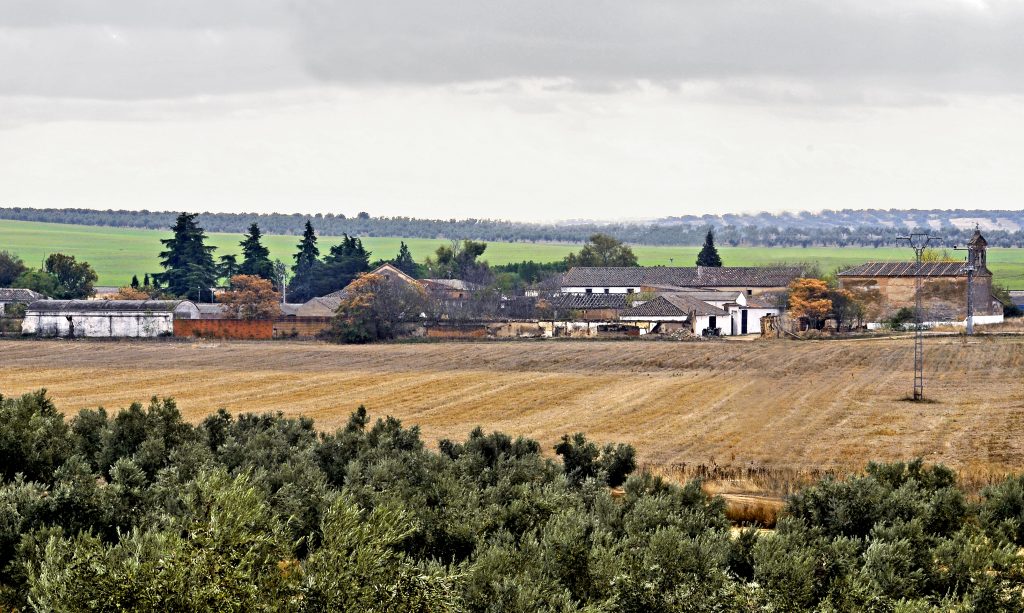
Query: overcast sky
(532, 109)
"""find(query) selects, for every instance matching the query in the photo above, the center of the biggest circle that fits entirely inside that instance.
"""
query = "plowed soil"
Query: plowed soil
(785, 404)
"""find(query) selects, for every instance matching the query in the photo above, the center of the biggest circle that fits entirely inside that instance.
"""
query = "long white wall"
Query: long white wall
(100, 325)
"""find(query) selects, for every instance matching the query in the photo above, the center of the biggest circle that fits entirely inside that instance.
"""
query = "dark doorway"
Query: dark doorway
(743, 321)
(712, 322)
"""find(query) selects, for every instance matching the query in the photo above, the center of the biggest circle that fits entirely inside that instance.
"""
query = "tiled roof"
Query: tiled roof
(17, 294)
(906, 269)
(761, 302)
(692, 276)
(90, 306)
(211, 311)
(1017, 297)
(710, 295)
(673, 305)
(288, 308)
(340, 294)
(588, 301)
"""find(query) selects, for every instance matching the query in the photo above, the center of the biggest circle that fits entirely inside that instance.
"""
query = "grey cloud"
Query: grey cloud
(940, 44)
(155, 48)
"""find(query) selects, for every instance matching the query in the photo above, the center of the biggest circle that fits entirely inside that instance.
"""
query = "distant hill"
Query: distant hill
(869, 227)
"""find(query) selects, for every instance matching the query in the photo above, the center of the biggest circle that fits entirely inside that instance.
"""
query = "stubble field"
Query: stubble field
(779, 404)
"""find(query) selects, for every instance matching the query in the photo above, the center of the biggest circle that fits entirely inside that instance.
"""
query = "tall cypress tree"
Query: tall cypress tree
(404, 262)
(308, 252)
(307, 268)
(256, 257)
(135, 281)
(708, 255)
(189, 269)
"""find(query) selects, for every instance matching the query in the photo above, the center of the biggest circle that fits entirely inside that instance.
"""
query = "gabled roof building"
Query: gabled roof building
(887, 287)
(106, 318)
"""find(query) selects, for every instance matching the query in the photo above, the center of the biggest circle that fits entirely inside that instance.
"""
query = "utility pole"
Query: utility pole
(970, 268)
(918, 241)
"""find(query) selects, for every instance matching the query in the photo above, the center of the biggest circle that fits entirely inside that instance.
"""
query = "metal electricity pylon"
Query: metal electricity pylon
(969, 268)
(919, 242)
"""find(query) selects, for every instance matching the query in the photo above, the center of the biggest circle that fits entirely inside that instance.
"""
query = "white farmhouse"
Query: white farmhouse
(702, 313)
(106, 318)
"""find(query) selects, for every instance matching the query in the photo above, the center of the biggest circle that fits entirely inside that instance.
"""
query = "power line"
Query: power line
(919, 242)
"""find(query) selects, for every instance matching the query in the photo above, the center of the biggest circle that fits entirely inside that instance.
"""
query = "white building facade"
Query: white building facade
(106, 318)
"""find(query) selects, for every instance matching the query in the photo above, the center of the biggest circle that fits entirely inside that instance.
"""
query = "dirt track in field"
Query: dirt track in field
(779, 403)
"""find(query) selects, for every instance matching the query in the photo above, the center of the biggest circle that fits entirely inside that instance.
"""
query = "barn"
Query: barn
(106, 318)
(887, 287)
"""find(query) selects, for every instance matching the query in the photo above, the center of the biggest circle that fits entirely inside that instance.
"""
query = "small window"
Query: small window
(590, 291)
(750, 292)
(629, 290)
(607, 291)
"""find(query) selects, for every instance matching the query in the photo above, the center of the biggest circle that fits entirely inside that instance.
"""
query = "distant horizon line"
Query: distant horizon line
(688, 217)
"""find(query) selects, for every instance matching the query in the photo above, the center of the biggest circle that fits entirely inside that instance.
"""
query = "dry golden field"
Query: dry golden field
(782, 404)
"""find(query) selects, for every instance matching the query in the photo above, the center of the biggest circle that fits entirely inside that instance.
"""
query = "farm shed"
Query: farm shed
(106, 318)
(10, 296)
(588, 307)
(887, 287)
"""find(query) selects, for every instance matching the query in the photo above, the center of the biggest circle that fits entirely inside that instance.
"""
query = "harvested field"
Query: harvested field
(785, 405)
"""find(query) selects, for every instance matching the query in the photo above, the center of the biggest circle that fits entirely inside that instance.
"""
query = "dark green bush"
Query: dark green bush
(141, 510)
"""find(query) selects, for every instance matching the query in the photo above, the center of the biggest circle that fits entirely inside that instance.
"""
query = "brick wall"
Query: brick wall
(300, 327)
(238, 329)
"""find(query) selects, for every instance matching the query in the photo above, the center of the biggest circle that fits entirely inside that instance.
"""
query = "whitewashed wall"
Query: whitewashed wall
(101, 325)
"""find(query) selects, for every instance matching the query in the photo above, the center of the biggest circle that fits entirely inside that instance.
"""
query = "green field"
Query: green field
(118, 253)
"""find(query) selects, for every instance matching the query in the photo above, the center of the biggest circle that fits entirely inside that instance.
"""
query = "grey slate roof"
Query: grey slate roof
(17, 294)
(907, 269)
(1017, 297)
(673, 305)
(681, 276)
(712, 295)
(210, 311)
(582, 302)
(103, 306)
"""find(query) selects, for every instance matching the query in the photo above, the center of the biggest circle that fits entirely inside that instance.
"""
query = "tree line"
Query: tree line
(140, 510)
(867, 228)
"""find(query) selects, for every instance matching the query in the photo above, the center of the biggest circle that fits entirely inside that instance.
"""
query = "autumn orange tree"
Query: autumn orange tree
(130, 293)
(373, 308)
(250, 297)
(810, 298)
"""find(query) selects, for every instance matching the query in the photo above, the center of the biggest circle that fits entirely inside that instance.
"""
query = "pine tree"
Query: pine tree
(308, 252)
(256, 257)
(145, 280)
(227, 267)
(346, 261)
(189, 268)
(404, 262)
(307, 269)
(708, 255)
(135, 281)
